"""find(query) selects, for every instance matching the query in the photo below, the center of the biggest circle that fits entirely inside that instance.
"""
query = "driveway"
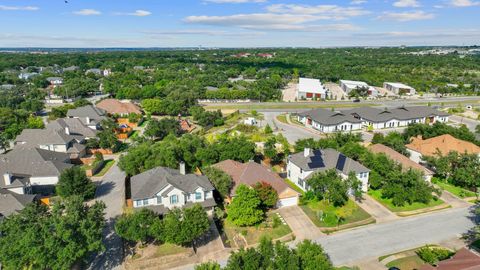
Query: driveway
(111, 190)
(374, 208)
(376, 240)
(301, 225)
(291, 132)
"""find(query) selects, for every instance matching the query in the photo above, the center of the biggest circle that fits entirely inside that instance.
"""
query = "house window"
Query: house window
(289, 173)
(173, 199)
(198, 195)
(159, 199)
(300, 182)
(139, 203)
(145, 202)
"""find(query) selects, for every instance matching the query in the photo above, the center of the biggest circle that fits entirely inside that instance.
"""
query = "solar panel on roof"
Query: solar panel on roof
(341, 162)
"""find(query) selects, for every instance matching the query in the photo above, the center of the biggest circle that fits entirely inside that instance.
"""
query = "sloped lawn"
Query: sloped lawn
(324, 214)
(377, 195)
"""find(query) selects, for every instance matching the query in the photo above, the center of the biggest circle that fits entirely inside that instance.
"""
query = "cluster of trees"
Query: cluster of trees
(393, 140)
(106, 137)
(173, 105)
(57, 238)
(74, 182)
(250, 203)
(459, 169)
(330, 186)
(207, 118)
(12, 122)
(180, 226)
(194, 150)
(437, 129)
(402, 186)
(222, 182)
(159, 129)
(268, 255)
(335, 141)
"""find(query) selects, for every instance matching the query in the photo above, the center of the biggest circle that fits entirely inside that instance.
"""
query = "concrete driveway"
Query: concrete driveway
(374, 208)
(301, 225)
(291, 132)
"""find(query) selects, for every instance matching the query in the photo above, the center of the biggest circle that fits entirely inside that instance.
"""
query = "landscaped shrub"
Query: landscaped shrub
(432, 255)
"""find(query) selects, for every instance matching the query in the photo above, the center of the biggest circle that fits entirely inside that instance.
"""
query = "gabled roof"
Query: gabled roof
(400, 113)
(35, 162)
(36, 137)
(149, 183)
(328, 117)
(398, 157)
(96, 115)
(442, 144)
(75, 125)
(115, 106)
(11, 203)
(251, 173)
(325, 159)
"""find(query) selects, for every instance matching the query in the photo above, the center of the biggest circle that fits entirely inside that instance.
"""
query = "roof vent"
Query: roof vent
(182, 168)
(306, 152)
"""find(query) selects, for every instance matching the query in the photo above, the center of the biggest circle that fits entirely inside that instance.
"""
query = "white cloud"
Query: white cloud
(26, 8)
(406, 16)
(200, 32)
(138, 13)
(358, 2)
(329, 11)
(235, 1)
(406, 3)
(465, 3)
(87, 12)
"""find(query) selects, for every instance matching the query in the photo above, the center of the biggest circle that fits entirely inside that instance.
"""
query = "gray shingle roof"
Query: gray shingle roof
(95, 114)
(325, 159)
(328, 117)
(11, 203)
(74, 124)
(149, 183)
(35, 137)
(34, 162)
(400, 113)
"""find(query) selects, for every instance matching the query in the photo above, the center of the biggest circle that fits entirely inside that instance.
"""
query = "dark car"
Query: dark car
(393, 268)
(356, 100)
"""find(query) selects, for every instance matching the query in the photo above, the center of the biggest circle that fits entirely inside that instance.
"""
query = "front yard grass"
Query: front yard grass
(324, 214)
(108, 164)
(282, 118)
(253, 234)
(457, 191)
(170, 249)
(377, 195)
(410, 262)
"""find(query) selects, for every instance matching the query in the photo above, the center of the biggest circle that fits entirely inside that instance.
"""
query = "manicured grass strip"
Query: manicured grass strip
(108, 164)
(321, 209)
(457, 191)
(294, 187)
(282, 118)
(377, 195)
(410, 262)
(170, 249)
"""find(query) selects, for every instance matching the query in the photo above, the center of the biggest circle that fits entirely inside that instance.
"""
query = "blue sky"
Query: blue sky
(237, 23)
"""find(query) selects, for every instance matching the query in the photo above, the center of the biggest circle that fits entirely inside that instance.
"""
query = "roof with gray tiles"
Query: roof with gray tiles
(329, 117)
(325, 159)
(36, 137)
(95, 114)
(399, 113)
(149, 183)
(11, 203)
(75, 126)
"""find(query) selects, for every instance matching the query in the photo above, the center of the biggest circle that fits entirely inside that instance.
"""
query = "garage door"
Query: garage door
(287, 202)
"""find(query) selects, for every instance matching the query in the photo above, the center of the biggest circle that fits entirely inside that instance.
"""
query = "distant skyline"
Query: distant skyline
(238, 23)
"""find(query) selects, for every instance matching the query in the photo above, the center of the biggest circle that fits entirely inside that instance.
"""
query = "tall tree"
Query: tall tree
(220, 180)
(245, 209)
(74, 182)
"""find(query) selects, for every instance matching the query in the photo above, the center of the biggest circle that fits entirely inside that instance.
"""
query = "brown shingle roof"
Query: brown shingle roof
(401, 159)
(464, 259)
(443, 144)
(251, 173)
(115, 106)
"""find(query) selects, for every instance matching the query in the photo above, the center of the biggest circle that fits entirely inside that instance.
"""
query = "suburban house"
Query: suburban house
(185, 126)
(26, 169)
(399, 88)
(440, 145)
(55, 140)
(74, 127)
(12, 203)
(464, 259)
(301, 166)
(329, 121)
(251, 173)
(310, 89)
(397, 117)
(347, 86)
(55, 81)
(404, 161)
(89, 115)
(71, 69)
(95, 71)
(27, 75)
(161, 189)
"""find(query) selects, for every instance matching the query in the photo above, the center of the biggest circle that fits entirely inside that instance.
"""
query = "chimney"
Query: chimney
(7, 178)
(182, 168)
(306, 152)
(87, 119)
(67, 130)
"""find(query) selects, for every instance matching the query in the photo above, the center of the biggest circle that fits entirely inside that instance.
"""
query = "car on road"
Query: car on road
(356, 100)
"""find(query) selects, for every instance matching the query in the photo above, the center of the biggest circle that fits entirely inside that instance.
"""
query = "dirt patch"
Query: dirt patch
(289, 92)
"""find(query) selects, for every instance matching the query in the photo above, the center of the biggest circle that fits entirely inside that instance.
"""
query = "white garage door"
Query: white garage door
(287, 202)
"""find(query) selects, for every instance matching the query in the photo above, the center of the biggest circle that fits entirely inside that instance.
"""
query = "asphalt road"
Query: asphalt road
(111, 191)
(291, 132)
(381, 239)
(470, 123)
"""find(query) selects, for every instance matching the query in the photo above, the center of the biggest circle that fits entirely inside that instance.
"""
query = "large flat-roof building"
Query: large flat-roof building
(310, 89)
(348, 86)
(399, 88)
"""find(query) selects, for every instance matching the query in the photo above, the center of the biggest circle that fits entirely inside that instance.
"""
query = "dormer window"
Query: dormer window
(174, 199)
(198, 195)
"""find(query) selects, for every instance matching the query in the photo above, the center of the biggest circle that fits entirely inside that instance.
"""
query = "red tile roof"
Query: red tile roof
(444, 143)
(464, 259)
(115, 106)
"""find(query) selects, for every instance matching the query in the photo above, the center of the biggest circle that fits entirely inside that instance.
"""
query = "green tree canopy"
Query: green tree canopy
(245, 209)
(74, 182)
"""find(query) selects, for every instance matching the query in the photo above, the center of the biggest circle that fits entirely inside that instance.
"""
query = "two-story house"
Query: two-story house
(90, 115)
(301, 166)
(161, 189)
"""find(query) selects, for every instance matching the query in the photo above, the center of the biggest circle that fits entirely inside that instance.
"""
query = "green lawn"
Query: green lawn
(108, 164)
(377, 195)
(457, 191)
(170, 249)
(407, 263)
(325, 215)
(252, 234)
(282, 118)
(294, 187)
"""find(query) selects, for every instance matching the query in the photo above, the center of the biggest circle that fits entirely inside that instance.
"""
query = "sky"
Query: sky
(238, 23)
